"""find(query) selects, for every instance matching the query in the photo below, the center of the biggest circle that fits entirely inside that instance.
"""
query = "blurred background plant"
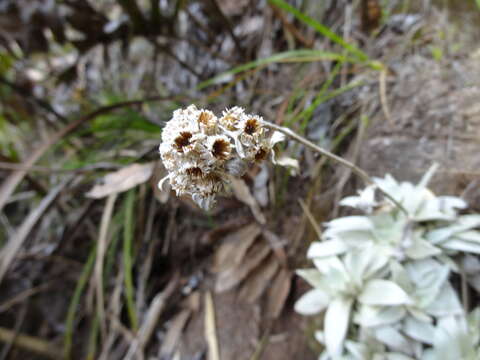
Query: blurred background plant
(97, 262)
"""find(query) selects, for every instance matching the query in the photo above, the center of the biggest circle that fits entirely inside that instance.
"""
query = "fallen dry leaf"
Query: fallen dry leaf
(278, 293)
(259, 280)
(242, 193)
(277, 245)
(173, 334)
(122, 180)
(229, 278)
(234, 247)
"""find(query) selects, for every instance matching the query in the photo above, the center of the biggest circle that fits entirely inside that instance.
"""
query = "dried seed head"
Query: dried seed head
(183, 140)
(220, 147)
(207, 122)
(194, 172)
(201, 151)
(252, 126)
(232, 117)
(261, 155)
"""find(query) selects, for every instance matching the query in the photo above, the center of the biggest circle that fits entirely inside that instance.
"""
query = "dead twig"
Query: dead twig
(151, 319)
(31, 343)
(210, 328)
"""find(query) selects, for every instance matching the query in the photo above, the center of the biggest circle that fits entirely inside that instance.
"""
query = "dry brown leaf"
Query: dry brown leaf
(173, 334)
(278, 293)
(122, 180)
(242, 193)
(234, 247)
(261, 277)
(277, 245)
(228, 279)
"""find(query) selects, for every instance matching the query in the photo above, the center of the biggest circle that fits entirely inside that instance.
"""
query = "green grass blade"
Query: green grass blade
(302, 55)
(72, 308)
(478, 3)
(128, 231)
(322, 29)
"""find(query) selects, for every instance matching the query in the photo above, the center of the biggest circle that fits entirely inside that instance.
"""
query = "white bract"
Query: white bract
(200, 150)
(383, 278)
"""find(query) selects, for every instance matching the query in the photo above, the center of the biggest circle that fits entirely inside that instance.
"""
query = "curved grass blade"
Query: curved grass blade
(303, 55)
(321, 29)
(128, 231)
(72, 308)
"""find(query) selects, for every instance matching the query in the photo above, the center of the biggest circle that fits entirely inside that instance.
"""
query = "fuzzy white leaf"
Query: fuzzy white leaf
(471, 235)
(337, 319)
(429, 276)
(420, 315)
(383, 292)
(369, 316)
(349, 223)
(462, 245)
(329, 264)
(446, 303)
(326, 248)
(312, 302)
(422, 249)
(394, 339)
(364, 201)
(357, 350)
(314, 277)
(397, 356)
(451, 202)
(419, 330)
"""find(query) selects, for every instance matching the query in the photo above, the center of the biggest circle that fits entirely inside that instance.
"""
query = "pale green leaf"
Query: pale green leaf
(369, 316)
(394, 339)
(422, 249)
(461, 245)
(337, 319)
(419, 330)
(312, 302)
(349, 223)
(383, 292)
(326, 248)
(446, 303)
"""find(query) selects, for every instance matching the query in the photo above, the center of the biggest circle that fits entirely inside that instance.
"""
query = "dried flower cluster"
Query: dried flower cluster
(200, 150)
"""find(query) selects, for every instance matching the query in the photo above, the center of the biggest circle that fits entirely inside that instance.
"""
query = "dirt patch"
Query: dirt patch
(435, 118)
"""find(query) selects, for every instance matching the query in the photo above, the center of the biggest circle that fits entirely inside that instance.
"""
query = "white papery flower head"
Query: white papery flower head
(200, 150)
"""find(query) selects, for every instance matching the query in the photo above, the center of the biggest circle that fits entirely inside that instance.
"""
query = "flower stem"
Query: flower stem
(355, 169)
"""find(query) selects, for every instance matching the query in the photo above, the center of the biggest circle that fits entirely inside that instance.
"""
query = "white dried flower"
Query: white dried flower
(199, 150)
(232, 117)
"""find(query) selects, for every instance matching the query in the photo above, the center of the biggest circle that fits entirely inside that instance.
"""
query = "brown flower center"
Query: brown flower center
(221, 149)
(183, 140)
(261, 155)
(251, 126)
(194, 171)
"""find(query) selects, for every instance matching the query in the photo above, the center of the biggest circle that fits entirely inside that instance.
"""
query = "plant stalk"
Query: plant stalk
(355, 169)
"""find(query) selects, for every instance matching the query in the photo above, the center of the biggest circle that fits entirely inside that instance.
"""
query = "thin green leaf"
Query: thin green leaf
(321, 29)
(304, 55)
(72, 308)
(127, 257)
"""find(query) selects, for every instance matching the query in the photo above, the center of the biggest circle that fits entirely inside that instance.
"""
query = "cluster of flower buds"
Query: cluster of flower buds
(200, 150)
